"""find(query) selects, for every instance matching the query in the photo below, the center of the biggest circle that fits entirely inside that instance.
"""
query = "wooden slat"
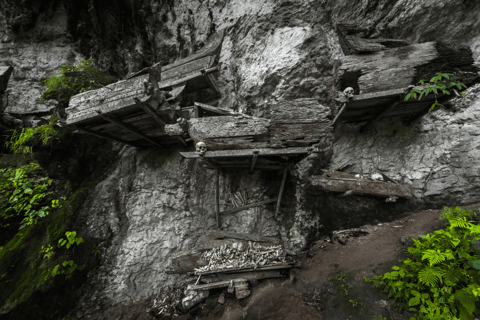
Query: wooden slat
(215, 285)
(102, 135)
(282, 185)
(215, 109)
(254, 160)
(248, 153)
(248, 206)
(155, 117)
(127, 127)
(242, 270)
(217, 197)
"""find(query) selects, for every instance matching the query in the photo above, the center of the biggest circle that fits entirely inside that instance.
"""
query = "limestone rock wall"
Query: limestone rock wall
(153, 205)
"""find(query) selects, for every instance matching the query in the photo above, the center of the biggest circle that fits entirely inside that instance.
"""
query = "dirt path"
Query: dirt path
(309, 294)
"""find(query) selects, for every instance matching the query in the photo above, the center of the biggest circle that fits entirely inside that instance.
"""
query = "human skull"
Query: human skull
(348, 92)
(201, 147)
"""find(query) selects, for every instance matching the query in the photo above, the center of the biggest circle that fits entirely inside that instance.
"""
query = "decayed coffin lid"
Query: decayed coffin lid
(118, 97)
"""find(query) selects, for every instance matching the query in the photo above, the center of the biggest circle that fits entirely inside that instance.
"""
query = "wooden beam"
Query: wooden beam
(215, 285)
(102, 135)
(282, 185)
(213, 84)
(122, 124)
(155, 117)
(241, 270)
(213, 109)
(256, 204)
(217, 197)
(392, 105)
(248, 153)
(254, 160)
(344, 106)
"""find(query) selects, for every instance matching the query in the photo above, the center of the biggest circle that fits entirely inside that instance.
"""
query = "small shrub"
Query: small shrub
(440, 279)
(436, 84)
(72, 80)
(23, 140)
(21, 195)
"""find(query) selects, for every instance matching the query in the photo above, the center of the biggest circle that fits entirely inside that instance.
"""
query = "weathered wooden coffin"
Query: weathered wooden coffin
(119, 111)
(353, 44)
(187, 261)
(342, 182)
(381, 79)
(297, 123)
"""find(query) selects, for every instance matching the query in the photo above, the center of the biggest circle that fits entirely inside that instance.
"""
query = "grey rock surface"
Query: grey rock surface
(153, 205)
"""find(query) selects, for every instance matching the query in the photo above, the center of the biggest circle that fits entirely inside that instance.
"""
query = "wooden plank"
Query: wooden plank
(342, 109)
(212, 82)
(310, 132)
(363, 186)
(242, 270)
(217, 197)
(248, 153)
(382, 114)
(282, 185)
(252, 275)
(304, 108)
(215, 285)
(111, 98)
(215, 109)
(187, 68)
(155, 117)
(127, 127)
(258, 166)
(201, 129)
(191, 76)
(102, 135)
(254, 160)
(248, 206)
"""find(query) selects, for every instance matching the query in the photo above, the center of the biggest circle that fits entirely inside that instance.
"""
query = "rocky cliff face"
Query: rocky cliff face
(153, 205)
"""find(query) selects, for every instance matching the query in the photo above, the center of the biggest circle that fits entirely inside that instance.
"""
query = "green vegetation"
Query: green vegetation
(440, 279)
(381, 318)
(24, 195)
(23, 140)
(72, 80)
(435, 85)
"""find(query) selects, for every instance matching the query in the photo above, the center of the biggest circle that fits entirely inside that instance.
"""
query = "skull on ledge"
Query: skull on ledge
(201, 148)
(348, 92)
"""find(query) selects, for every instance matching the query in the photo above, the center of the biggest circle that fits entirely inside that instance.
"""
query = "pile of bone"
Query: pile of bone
(242, 255)
(242, 198)
(166, 304)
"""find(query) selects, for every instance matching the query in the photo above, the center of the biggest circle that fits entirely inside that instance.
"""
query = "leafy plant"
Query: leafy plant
(440, 279)
(71, 80)
(48, 251)
(435, 85)
(23, 140)
(21, 195)
(71, 239)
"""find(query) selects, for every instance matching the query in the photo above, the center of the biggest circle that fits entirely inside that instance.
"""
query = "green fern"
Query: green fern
(430, 276)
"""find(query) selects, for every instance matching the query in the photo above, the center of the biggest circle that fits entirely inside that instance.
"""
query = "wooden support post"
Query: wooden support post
(213, 84)
(103, 135)
(381, 114)
(254, 160)
(155, 117)
(344, 106)
(217, 196)
(122, 124)
(277, 209)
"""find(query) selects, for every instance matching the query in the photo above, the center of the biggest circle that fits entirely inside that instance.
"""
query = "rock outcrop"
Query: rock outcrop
(153, 205)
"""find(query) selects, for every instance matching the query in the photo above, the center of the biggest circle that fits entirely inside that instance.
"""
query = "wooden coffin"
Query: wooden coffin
(382, 79)
(187, 261)
(342, 182)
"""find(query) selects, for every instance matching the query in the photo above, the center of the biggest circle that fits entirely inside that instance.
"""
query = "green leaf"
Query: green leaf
(413, 301)
(475, 264)
(395, 268)
(467, 300)
(408, 96)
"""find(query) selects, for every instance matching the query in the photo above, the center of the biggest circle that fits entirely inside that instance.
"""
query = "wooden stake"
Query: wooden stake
(254, 160)
(217, 197)
(340, 112)
(277, 210)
